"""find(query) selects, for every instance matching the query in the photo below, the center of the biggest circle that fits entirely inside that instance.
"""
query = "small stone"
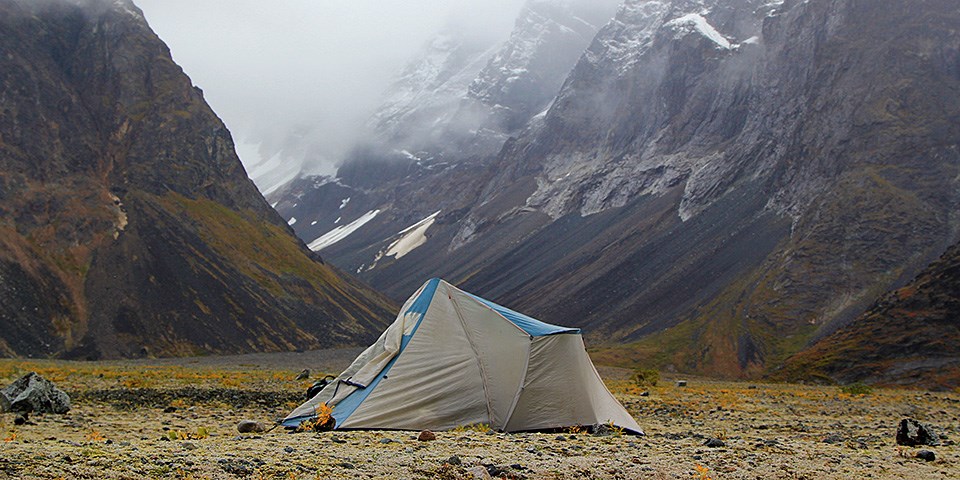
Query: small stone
(188, 446)
(288, 449)
(250, 426)
(714, 443)
(385, 441)
(426, 436)
(409, 450)
(170, 409)
(347, 465)
(336, 439)
(454, 460)
(20, 419)
(561, 438)
(681, 383)
(645, 393)
(926, 455)
(479, 473)
(833, 438)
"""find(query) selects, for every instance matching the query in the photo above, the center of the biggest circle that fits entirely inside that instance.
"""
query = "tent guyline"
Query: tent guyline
(452, 359)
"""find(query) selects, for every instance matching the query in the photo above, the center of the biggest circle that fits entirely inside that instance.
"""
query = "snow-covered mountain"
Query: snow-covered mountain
(713, 184)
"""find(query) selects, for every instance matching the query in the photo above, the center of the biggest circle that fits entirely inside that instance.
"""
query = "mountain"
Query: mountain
(911, 336)
(715, 184)
(129, 226)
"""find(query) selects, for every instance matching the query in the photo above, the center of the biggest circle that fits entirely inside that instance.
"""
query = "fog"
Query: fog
(295, 80)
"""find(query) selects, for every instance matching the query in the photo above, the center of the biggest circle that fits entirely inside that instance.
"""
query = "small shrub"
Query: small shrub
(473, 427)
(857, 388)
(576, 429)
(324, 420)
(701, 473)
(646, 377)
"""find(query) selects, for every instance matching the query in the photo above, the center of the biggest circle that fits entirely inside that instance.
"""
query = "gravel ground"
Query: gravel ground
(177, 419)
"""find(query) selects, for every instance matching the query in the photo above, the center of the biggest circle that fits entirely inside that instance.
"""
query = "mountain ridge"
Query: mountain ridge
(116, 180)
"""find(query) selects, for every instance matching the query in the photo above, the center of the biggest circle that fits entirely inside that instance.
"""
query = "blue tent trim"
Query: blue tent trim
(348, 405)
(530, 325)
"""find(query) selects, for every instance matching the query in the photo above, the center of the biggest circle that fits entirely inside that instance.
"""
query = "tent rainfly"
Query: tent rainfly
(452, 359)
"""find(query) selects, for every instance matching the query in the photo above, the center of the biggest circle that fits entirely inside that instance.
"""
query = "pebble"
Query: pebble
(926, 455)
(288, 449)
(188, 446)
(453, 460)
(645, 393)
(386, 441)
(426, 436)
(250, 426)
(681, 383)
(20, 419)
(479, 473)
(714, 443)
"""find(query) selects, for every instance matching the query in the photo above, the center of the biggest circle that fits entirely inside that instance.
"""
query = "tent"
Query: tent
(453, 359)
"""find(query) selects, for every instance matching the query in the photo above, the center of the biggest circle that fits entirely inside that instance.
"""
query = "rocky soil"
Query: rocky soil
(178, 419)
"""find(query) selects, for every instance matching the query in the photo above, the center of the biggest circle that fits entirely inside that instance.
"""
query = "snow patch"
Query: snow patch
(411, 237)
(344, 202)
(292, 221)
(695, 22)
(341, 232)
(313, 223)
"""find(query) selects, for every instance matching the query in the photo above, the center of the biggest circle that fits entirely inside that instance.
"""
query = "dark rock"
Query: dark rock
(603, 430)
(926, 455)
(561, 438)
(33, 393)
(188, 446)
(912, 433)
(346, 465)
(426, 436)
(386, 440)
(714, 443)
(833, 438)
(681, 383)
(170, 409)
(645, 393)
(20, 419)
(303, 375)
(454, 460)
(250, 426)
(288, 449)
(495, 470)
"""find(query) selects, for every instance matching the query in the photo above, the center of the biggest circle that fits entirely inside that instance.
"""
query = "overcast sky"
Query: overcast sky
(269, 68)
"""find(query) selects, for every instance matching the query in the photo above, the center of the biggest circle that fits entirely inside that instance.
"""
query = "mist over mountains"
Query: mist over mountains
(711, 187)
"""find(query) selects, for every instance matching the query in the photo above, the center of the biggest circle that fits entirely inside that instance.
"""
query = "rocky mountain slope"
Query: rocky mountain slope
(128, 225)
(911, 336)
(714, 185)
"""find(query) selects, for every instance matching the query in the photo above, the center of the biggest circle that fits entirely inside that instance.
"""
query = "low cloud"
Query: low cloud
(302, 76)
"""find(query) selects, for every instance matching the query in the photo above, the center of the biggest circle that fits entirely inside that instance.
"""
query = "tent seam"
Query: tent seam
(523, 381)
(476, 355)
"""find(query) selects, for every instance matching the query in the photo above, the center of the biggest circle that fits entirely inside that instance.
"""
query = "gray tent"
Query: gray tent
(452, 359)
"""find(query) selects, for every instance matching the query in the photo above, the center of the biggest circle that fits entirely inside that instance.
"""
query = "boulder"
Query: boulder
(426, 436)
(4, 403)
(32, 393)
(912, 433)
